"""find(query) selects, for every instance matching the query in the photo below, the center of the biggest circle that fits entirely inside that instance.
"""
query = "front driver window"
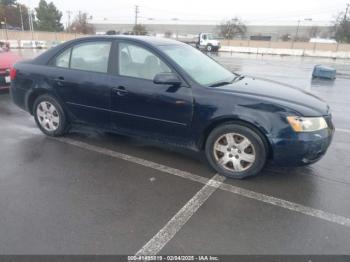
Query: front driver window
(138, 62)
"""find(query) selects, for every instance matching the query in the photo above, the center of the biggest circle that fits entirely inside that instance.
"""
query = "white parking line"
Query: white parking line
(156, 244)
(344, 221)
(343, 130)
(136, 160)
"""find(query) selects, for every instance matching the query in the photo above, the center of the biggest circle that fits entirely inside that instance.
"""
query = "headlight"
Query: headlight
(307, 124)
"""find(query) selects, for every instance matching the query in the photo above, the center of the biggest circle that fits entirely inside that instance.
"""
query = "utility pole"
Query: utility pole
(346, 12)
(20, 12)
(136, 13)
(68, 25)
(30, 20)
(296, 34)
(7, 36)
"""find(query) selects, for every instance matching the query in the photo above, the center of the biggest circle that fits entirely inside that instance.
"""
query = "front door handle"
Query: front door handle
(120, 90)
(59, 80)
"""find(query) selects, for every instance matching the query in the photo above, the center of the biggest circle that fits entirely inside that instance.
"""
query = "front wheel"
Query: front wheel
(49, 116)
(236, 151)
(209, 48)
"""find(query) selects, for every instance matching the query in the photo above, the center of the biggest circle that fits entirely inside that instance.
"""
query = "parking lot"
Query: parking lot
(98, 193)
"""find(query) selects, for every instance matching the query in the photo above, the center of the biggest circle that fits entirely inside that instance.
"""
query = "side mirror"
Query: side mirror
(167, 79)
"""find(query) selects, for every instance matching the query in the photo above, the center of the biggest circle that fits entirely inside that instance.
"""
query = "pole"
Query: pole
(20, 12)
(136, 13)
(346, 12)
(296, 34)
(7, 37)
(29, 23)
(68, 25)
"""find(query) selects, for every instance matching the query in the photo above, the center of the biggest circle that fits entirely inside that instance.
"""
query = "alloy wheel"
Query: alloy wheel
(234, 152)
(48, 116)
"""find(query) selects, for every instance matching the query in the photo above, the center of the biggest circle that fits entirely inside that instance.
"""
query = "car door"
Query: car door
(203, 39)
(83, 81)
(141, 106)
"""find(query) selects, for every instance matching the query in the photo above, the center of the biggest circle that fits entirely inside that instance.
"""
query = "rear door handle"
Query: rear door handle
(120, 90)
(59, 80)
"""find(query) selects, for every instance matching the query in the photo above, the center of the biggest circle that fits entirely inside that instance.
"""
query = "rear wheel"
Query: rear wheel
(49, 116)
(236, 151)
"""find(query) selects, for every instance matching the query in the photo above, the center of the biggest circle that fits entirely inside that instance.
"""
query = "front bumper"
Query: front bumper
(304, 148)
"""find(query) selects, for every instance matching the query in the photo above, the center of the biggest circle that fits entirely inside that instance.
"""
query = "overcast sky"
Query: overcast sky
(192, 11)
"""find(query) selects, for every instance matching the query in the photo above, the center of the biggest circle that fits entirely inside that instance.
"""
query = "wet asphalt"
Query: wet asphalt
(56, 198)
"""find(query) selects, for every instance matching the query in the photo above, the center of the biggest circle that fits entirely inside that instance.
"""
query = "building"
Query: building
(276, 32)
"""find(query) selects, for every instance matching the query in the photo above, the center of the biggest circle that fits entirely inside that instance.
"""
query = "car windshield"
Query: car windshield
(199, 66)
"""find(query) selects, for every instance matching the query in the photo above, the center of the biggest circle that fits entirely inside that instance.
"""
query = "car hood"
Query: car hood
(303, 102)
(8, 59)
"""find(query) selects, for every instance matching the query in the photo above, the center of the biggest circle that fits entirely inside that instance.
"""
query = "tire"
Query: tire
(49, 116)
(233, 158)
(209, 48)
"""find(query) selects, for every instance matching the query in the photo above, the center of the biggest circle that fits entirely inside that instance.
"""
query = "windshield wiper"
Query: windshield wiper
(238, 78)
(224, 83)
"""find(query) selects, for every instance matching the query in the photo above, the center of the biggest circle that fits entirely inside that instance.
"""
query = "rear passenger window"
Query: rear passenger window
(62, 60)
(92, 56)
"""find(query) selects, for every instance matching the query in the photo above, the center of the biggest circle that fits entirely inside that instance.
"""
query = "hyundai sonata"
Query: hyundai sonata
(169, 91)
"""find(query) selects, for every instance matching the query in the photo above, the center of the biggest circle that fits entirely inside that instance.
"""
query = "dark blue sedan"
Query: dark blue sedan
(168, 91)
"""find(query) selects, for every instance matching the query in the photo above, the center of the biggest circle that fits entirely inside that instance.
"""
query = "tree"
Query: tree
(168, 34)
(8, 2)
(342, 27)
(81, 25)
(11, 12)
(139, 30)
(286, 37)
(48, 17)
(231, 28)
(314, 31)
(111, 32)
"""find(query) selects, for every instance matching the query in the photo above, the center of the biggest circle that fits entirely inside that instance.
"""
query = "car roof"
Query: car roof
(145, 40)
(151, 40)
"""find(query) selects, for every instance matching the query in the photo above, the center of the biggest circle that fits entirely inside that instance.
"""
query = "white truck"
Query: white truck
(205, 41)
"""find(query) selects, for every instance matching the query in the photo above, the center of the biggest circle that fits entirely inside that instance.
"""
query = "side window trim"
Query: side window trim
(114, 59)
(70, 57)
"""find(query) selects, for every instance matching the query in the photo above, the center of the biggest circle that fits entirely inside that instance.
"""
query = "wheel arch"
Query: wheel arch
(33, 95)
(219, 122)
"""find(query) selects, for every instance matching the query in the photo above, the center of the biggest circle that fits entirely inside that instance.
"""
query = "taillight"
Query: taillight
(13, 73)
